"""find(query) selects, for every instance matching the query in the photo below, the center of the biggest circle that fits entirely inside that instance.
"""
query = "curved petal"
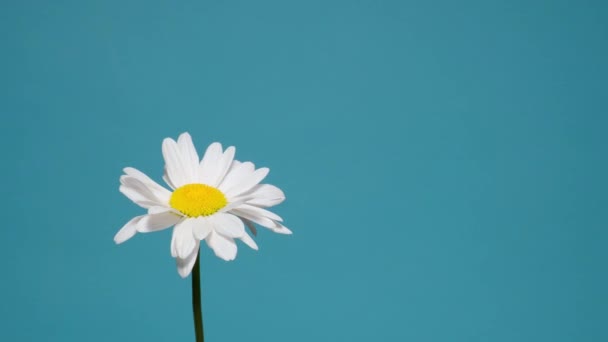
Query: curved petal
(223, 164)
(155, 222)
(237, 172)
(260, 212)
(248, 182)
(139, 192)
(249, 241)
(233, 166)
(223, 247)
(281, 229)
(174, 164)
(161, 209)
(127, 231)
(261, 220)
(201, 227)
(182, 242)
(233, 204)
(167, 180)
(189, 156)
(228, 225)
(185, 265)
(276, 227)
(264, 195)
(208, 166)
(159, 191)
(251, 226)
(137, 197)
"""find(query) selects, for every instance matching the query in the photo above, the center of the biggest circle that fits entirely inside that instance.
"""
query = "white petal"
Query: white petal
(160, 192)
(254, 217)
(182, 242)
(261, 220)
(189, 156)
(237, 172)
(233, 205)
(251, 226)
(235, 164)
(156, 222)
(208, 166)
(264, 195)
(223, 164)
(248, 182)
(127, 231)
(228, 225)
(281, 229)
(260, 212)
(161, 209)
(167, 180)
(137, 197)
(184, 266)
(276, 227)
(249, 241)
(174, 164)
(201, 227)
(223, 247)
(139, 192)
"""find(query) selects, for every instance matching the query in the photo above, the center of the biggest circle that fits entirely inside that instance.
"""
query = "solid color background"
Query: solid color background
(444, 164)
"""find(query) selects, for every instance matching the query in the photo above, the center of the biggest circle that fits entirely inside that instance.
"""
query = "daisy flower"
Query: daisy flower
(210, 199)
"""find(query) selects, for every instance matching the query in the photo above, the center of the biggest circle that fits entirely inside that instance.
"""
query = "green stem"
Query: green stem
(196, 300)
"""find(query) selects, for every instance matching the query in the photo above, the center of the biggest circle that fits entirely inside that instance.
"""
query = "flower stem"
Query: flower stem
(196, 300)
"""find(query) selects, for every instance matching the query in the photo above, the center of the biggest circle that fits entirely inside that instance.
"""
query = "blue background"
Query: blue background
(444, 162)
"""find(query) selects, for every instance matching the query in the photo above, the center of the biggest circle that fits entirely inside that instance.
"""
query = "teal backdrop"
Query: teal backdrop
(444, 163)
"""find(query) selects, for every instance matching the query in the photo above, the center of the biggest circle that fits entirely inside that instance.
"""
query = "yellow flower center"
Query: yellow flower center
(195, 200)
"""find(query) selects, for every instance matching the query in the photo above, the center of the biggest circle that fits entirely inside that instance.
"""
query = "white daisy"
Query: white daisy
(212, 200)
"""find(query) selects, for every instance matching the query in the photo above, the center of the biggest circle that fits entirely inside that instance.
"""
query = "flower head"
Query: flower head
(212, 199)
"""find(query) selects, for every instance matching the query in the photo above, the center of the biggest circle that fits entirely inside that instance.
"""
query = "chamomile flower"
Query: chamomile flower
(212, 199)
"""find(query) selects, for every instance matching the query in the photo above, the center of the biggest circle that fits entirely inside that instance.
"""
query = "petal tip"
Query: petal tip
(283, 230)
(183, 274)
